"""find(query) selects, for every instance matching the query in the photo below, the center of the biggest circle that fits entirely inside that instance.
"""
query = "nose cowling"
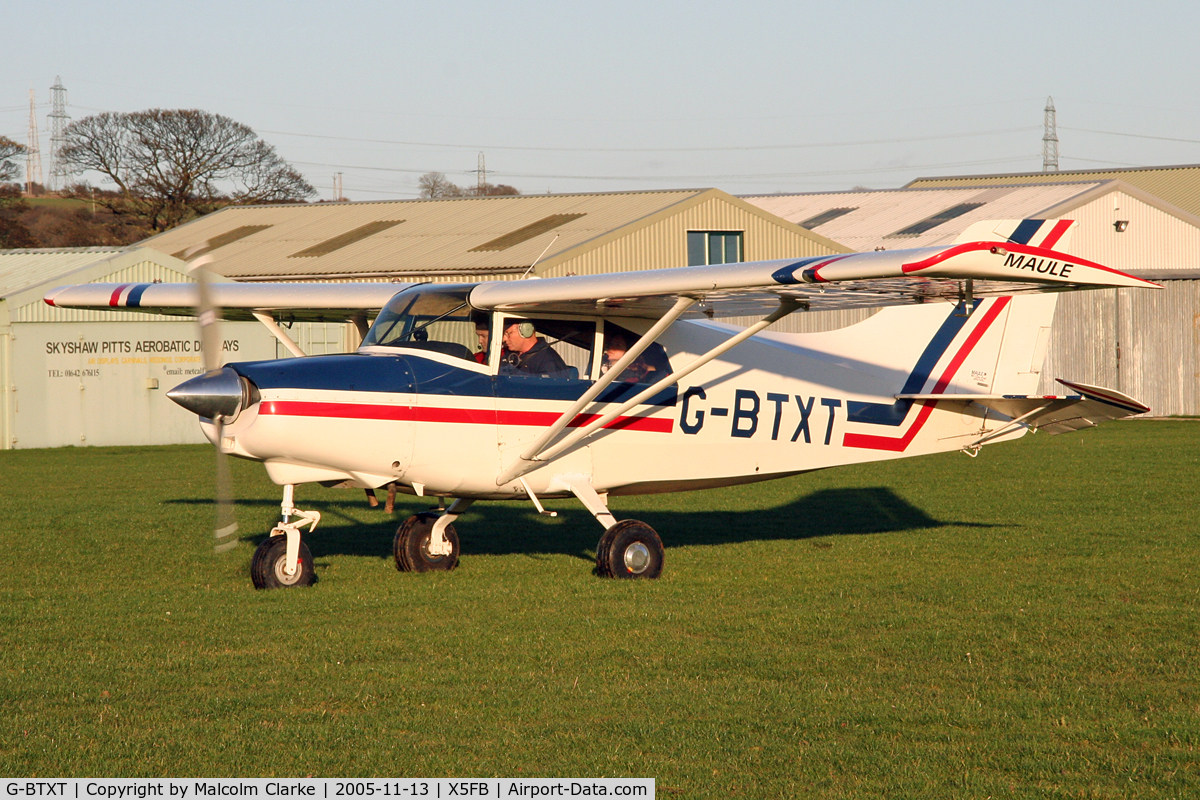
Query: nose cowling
(221, 392)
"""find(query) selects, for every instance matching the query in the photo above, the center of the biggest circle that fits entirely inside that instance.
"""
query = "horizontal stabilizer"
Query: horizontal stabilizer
(1051, 413)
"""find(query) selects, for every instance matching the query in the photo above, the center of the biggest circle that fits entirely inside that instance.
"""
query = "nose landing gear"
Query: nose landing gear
(283, 561)
(268, 568)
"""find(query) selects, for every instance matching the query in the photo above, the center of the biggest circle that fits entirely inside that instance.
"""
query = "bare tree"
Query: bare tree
(493, 190)
(9, 150)
(436, 184)
(172, 165)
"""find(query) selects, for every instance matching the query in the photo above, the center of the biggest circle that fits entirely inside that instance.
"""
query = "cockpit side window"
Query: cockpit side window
(546, 348)
(649, 367)
(432, 318)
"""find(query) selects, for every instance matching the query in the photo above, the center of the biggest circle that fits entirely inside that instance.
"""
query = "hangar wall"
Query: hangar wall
(1117, 338)
(1153, 239)
(74, 377)
(663, 241)
(105, 383)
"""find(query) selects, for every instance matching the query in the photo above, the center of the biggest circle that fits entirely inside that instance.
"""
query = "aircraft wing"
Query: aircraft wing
(311, 302)
(855, 280)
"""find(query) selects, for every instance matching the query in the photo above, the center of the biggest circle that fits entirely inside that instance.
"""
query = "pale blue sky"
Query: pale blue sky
(748, 97)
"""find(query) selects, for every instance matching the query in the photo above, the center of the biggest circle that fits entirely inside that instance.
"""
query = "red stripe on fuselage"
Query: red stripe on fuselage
(469, 416)
(899, 445)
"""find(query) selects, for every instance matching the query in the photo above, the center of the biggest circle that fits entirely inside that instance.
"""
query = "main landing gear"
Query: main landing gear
(427, 542)
(629, 548)
(283, 561)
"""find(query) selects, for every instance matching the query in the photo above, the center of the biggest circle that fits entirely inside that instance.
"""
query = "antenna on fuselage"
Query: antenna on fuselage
(539, 258)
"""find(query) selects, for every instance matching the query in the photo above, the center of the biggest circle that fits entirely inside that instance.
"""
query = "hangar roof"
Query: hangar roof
(27, 274)
(476, 236)
(904, 218)
(1177, 185)
(26, 268)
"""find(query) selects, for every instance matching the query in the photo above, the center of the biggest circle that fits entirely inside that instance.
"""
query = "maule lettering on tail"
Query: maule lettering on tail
(1042, 266)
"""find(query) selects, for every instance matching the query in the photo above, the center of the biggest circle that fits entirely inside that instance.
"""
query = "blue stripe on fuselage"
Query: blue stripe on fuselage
(351, 373)
(894, 413)
(410, 373)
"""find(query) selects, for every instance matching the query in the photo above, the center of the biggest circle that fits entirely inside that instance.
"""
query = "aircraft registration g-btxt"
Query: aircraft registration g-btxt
(622, 384)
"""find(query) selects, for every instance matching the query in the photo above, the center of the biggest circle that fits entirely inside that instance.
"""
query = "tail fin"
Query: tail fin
(1052, 234)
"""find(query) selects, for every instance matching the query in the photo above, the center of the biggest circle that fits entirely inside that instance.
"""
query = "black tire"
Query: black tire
(602, 549)
(629, 549)
(411, 546)
(266, 568)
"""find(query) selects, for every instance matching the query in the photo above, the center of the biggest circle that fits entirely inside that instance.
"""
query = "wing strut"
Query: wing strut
(786, 306)
(270, 324)
(530, 454)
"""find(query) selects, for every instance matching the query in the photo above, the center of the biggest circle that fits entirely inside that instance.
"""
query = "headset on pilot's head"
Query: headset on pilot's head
(524, 327)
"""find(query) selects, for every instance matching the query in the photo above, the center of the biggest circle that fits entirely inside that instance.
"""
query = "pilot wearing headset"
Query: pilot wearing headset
(529, 353)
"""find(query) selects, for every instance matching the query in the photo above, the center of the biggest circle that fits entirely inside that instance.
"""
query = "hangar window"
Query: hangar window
(713, 247)
(526, 233)
(930, 223)
(347, 238)
(826, 216)
(222, 239)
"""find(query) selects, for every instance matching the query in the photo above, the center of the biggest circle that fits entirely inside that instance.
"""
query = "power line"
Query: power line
(684, 178)
(1134, 135)
(723, 148)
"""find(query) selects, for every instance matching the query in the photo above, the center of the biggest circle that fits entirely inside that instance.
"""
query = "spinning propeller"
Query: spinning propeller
(210, 340)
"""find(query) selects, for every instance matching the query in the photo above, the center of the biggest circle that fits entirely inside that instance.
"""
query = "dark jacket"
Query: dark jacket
(541, 359)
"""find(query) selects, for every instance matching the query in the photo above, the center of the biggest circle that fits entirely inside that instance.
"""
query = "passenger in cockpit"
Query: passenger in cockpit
(648, 367)
(484, 335)
(529, 353)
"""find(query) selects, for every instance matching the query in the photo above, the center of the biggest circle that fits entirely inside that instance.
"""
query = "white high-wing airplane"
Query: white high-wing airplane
(621, 384)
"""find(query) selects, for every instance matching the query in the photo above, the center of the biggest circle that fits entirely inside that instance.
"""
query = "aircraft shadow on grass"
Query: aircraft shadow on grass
(509, 528)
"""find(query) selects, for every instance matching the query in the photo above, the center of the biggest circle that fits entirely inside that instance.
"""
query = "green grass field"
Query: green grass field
(1020, 625)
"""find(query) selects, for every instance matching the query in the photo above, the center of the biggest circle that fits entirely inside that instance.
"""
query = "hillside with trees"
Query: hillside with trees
(157, 169)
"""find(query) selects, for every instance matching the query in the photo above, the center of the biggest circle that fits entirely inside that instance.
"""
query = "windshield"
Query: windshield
(428, 318)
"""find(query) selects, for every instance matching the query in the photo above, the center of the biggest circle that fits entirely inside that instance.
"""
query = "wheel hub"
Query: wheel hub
(637, 558)
(281, 572)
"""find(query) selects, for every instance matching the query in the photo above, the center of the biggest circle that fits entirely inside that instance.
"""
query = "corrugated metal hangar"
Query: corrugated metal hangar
(491, 238)
(1178, 185)
(1143, 343)
(93, 378)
